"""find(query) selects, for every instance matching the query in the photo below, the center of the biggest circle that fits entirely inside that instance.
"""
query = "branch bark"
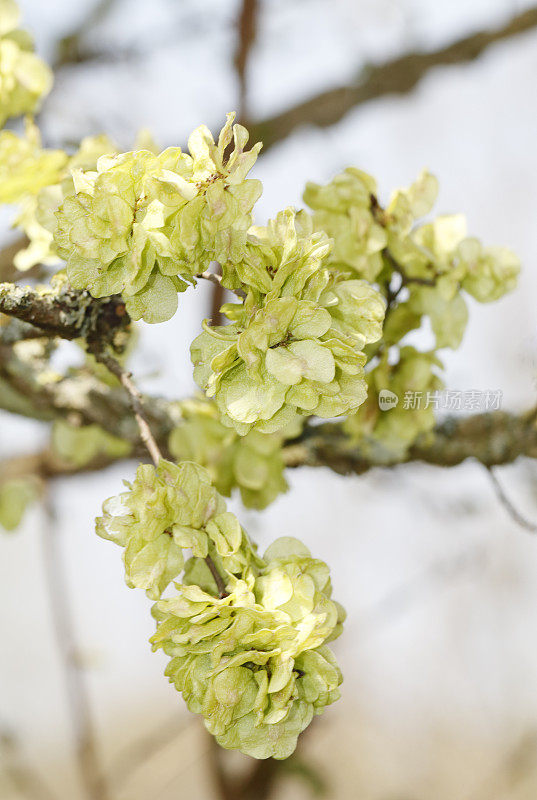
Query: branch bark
(136, 401)
(492, 439)
(65, 312)
(8, 270)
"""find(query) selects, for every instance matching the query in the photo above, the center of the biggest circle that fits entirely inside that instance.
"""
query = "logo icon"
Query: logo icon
(387, 399)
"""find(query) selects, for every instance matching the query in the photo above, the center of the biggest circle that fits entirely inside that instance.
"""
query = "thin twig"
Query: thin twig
(136, 400)
(216, 280)
(396, 266)
(220, 583)
(508, 505)
(406, 279)
(77, 695)
(217, 295)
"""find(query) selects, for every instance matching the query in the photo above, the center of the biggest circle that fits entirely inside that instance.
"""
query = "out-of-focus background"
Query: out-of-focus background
(439, 653)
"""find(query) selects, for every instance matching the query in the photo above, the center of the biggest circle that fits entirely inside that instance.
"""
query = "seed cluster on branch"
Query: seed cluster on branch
(252, 659)
(325, 301)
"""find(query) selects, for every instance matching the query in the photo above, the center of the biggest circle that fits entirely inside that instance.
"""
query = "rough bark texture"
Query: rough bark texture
(65, 313)
(492, 438)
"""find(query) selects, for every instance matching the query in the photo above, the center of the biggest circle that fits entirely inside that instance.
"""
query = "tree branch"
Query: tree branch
(71, 49)
(246, 36)
(77, 695)
(81, 398)
(136, 401)
(398, 76)
(216, 280)
(65, 312)
(508, 505)
(146, 435)
(492, 439)
(46, 464)
(8, 270)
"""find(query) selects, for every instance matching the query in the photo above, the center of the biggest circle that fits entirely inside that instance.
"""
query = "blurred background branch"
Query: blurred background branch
(246, 32)
(77, 696)
(72, 48)
(398, 76)
(21, 774)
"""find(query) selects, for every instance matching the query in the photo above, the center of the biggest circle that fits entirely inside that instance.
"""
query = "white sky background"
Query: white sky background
(440, 668)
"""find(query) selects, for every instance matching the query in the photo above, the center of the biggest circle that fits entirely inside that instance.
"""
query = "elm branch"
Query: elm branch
(65, 312)
(491, 439)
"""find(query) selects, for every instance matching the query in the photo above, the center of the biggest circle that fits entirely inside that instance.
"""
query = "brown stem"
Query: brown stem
(260, 781)
(216, 280)
(136, 401)
(220, 583)
(77, 695)
(217, 295)
(246, 27)
(222, 783)
(217, 301)
(246, 36)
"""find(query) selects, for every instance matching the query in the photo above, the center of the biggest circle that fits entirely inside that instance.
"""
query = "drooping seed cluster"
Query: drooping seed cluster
(255, 661)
